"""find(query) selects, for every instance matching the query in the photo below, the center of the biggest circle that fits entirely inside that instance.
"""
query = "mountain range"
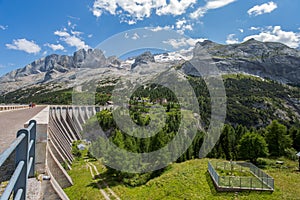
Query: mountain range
(269, 60)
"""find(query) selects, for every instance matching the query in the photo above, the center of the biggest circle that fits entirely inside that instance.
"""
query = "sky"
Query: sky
(30, 30)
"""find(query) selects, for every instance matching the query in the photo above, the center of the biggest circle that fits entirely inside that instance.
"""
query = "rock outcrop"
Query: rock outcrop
(145, 58)
(271, 60)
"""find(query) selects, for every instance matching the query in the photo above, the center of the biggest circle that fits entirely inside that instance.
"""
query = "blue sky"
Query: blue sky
(33, 29)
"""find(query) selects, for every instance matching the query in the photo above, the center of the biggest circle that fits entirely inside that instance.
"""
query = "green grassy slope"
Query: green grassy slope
(188, 180)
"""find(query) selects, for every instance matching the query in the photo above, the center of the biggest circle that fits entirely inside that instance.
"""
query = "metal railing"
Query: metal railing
(247, 177)
(213, 173)
(12, 107)
(24, 146)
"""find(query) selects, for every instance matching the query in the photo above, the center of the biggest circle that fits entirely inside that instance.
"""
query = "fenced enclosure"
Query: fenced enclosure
(236, 176)
(24, 146)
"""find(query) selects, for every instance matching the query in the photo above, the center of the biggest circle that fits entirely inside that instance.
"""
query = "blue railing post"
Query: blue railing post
(32, 149)
(24, 148)
(22, 155)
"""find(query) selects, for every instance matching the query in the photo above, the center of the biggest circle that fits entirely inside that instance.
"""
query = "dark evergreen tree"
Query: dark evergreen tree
(251, 146)
(277, 139)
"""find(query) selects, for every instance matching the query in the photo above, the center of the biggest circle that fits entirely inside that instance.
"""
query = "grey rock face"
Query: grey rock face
(91, 58)
(268, 60)
(53, 66)
(143, 59)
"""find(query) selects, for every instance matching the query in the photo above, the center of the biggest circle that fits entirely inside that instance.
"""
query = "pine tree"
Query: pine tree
(251, 146)
(277, 139)
(294, 133)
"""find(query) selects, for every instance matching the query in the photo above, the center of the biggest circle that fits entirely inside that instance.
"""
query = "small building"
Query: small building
(81, 147)
(164, 101)
(109, 103)
(161, 101)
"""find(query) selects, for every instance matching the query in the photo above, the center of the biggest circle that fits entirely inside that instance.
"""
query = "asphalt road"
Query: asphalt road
(12, 121)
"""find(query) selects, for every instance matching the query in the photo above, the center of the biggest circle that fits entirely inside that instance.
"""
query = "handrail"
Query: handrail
(12, 107)
(24, 146)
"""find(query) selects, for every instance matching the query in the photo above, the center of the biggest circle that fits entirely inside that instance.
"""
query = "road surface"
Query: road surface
(12, 121)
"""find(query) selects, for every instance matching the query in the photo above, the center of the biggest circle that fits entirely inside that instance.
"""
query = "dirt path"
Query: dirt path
(106, 196)
(12, 121)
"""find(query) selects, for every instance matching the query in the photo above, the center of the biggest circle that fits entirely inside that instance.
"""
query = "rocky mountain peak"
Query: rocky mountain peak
(265, 59)
(91, 58)
(143, 59)
(206, 42)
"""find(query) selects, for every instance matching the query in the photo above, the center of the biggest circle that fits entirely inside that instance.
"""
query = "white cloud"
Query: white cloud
(182, 25)
(210, 5)
(161, 28)
(70, 24)
(134, 10)
(90, 35)
(55, 47)
(77, 33)
(135, 36)
(214, 4)
(231, 39)
(183, 42)
(126, 35)
(175, 7)
(62, 33)
(276, 34)
(72, 39)
(3, 27)
(262, 9)
(124, 19)
(254, 28)
(24, 45)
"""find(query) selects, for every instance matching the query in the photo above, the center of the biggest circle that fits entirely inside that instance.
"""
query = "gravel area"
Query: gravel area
(34, 189)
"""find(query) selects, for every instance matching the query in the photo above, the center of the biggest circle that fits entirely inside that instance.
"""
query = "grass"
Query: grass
(237, 176)
(233, 173)
(84, 187)
(188, 180)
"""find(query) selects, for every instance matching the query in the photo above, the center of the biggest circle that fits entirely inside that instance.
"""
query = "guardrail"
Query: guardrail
(239, 176)
(12, 107)
(24, 146)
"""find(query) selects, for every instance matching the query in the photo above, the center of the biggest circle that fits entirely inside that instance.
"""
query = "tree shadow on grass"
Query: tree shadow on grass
(103, 178)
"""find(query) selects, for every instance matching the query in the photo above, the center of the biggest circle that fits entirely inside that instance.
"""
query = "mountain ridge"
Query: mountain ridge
(271, 60)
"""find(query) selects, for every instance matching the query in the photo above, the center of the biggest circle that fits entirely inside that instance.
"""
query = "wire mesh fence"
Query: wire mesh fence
(240, 175)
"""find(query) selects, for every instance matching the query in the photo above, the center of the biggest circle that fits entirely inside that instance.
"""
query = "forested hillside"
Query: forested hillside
(261, 122)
